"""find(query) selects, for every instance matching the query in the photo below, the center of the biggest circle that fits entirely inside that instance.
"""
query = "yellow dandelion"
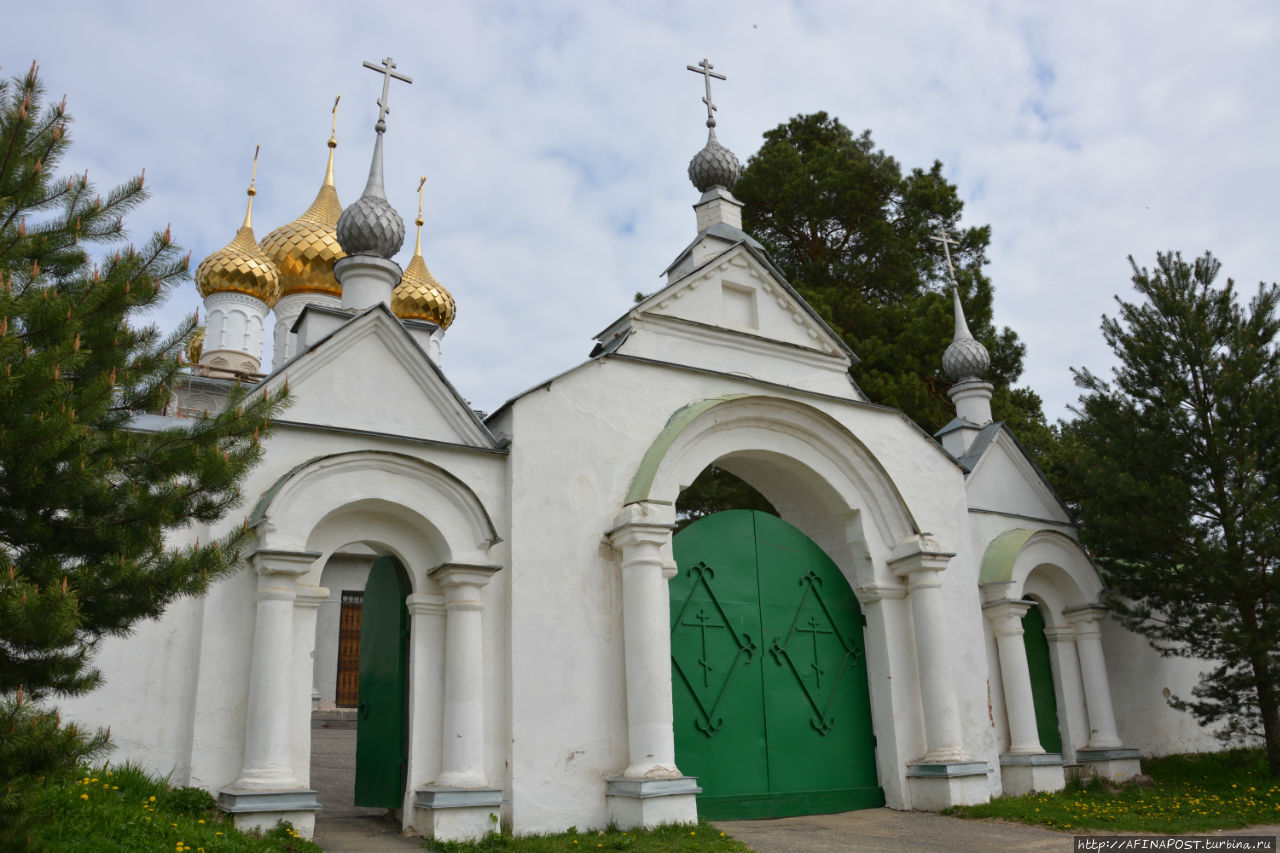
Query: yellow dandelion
(84, 796)
(151, 799)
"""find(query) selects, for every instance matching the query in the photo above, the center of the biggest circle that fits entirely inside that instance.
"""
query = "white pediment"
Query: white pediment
(370, 375)
(737, 292)
(1004, 480)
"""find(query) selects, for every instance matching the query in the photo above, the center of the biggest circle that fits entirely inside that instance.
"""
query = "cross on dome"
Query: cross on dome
(387, 70)
(704, 68)
(947, 242)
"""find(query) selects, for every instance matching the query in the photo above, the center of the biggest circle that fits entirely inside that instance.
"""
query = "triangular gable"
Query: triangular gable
(370, 375)
(738, 291)
(1003, 478)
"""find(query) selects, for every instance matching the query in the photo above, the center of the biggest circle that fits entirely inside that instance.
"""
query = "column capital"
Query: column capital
(464, 574)
(1061, 634)
(1006, 616)
(420, 604)
(280, 562)
(918, 554)
(873, 593)
(311, 597)
(1087, 618)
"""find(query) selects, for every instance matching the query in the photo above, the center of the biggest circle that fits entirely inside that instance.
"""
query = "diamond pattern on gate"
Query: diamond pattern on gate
(710, 673)
(820, 695)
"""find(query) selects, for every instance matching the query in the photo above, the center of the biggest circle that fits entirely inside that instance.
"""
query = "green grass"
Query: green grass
(1192, 793)
(673, 838)
(125, 809)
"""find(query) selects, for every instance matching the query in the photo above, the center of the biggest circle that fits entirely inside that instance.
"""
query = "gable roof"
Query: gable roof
(384, 361)
(985, 446)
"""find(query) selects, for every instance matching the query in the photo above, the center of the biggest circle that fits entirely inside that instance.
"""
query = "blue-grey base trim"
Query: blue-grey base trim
(456, 798)
(1106, 754)
(1037, 759)
(641, 789)
(239, 801)
(948, 770)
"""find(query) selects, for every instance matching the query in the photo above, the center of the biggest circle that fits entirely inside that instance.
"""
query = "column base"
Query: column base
(252, 809)
(935, 787)
(1026, 773)
(646, 803)
(456, 814)
(1118, 765)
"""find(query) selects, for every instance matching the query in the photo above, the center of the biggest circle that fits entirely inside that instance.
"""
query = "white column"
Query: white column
(1062, 650)
(366, 280)
(267, 753)
(308, 601)
(1019, 703)
(1087, 621)
(920, 566)
(426, 663)
(646, 626)
(462, 747)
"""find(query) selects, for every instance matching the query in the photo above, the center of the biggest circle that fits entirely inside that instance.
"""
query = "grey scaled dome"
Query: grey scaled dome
(370, 226)
(966, 358)
(714, 166)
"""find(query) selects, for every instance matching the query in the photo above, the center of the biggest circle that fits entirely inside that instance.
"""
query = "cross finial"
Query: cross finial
(387, 70)
(333, 131)
(248, 214)
(704, 68)
(947, 242)
(421, 183)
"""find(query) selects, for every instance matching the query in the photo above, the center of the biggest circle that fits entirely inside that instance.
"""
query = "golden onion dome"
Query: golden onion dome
(241, 266)
(419, 296)
(195, 346)
(305, 249)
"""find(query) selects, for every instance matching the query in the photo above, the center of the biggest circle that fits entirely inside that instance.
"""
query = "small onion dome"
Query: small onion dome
(966, 358)
(371, 226)
(714, 166)
(241, 266)
(195, 346)
(304, 250)
(419, 296)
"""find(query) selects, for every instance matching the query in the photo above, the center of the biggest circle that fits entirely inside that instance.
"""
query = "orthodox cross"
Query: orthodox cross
(702, 624)
(704, 68)
(333, 131)
(387, 70)
(945, 239)
(815, 629)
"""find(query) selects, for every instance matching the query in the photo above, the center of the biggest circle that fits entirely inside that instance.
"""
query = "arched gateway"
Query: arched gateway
(771, 706)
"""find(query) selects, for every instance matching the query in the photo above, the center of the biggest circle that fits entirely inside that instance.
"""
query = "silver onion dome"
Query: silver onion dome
(370, 225)
(966, 358)
(714, 165)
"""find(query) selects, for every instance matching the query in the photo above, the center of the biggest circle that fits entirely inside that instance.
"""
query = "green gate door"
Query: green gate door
(769, 676)
(1041, 672)
(381, 757)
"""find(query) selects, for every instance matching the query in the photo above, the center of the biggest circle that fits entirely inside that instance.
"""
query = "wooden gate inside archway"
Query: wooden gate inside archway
(769, 675)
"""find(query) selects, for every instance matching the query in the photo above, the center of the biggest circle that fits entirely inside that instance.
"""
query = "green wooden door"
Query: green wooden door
(380, 742)
(772, 711)
(1041, 680)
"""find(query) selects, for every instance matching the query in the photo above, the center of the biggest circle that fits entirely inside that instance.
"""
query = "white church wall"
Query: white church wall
(1141, 681)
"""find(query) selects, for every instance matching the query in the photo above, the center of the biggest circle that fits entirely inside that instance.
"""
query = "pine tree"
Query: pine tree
(853, 234)
(86, 499)
(1177, 466)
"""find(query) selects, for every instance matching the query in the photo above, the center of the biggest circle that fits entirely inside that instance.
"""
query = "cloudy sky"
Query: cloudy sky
(555, 138)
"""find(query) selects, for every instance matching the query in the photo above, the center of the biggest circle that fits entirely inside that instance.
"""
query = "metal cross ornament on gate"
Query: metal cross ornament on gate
(702, 625)
(387, 70)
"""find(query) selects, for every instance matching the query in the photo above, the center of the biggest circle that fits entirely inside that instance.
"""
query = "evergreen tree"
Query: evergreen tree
(1177, 466)
(853, 235)
(86, 499)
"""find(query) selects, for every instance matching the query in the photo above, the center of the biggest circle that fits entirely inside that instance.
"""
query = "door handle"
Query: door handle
(364, 710)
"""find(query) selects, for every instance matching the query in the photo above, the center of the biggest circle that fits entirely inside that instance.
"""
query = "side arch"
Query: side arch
(1045, 565)
(374, 496)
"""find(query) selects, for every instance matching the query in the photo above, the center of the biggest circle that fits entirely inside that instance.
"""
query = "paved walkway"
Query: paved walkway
(342, 826)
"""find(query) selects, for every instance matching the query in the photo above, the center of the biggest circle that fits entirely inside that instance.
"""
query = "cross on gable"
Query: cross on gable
(704, 68)
(387, 70)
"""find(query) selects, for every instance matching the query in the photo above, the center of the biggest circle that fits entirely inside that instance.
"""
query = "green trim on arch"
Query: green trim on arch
(681, 418)
(998, 560)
